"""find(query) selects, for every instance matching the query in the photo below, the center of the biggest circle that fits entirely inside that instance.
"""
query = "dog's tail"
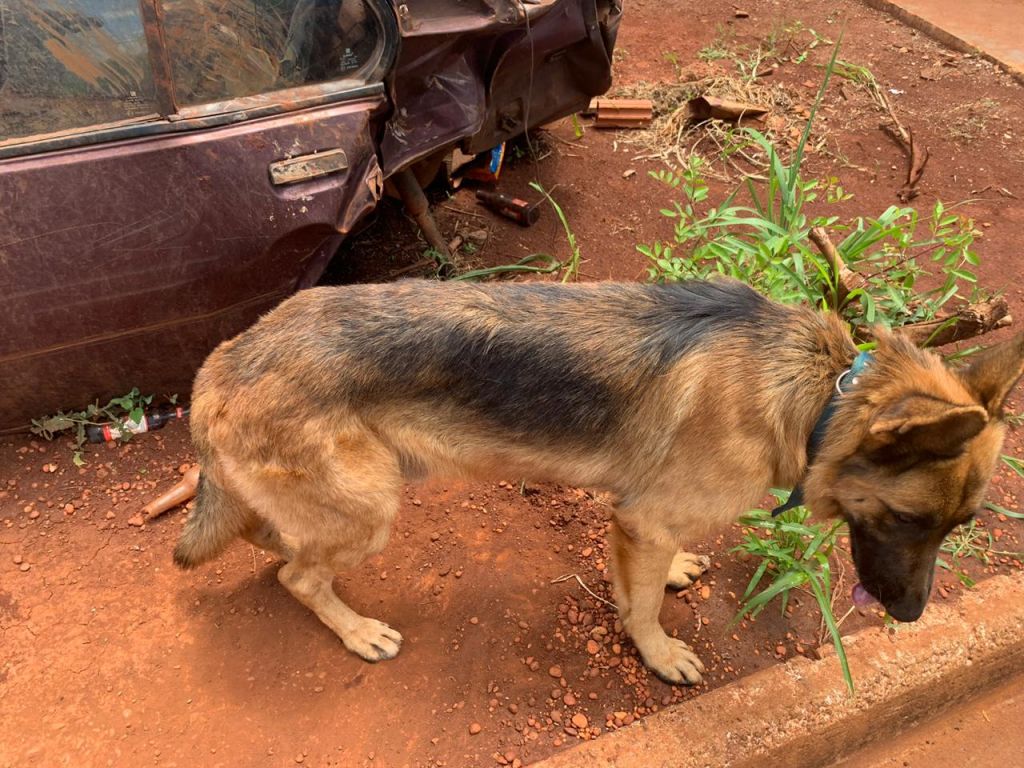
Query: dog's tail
(219, 514)
(217, 518)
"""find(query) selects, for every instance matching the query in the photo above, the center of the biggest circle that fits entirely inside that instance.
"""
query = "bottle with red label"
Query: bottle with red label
(104, 433)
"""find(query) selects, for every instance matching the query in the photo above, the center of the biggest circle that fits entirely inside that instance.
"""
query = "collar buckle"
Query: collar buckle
(817, 436)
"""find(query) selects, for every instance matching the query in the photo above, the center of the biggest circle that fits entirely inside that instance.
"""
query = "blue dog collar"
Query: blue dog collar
(846, 381)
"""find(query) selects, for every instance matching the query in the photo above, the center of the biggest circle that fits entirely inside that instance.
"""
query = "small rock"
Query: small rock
(555, 672)
(474, 729)
(435, 536)
(136, 520)
(24, 567)
(569, 699)
(780, 650)
(18, 559)
(580, 720)
(593, 647)
(705, 592)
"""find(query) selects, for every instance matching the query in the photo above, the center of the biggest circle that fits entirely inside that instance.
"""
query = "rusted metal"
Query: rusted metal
(541, 71)
(417, 206)
(306, 167)
(159, 57)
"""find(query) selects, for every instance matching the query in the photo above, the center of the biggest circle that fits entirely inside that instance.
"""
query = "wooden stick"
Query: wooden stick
(918, 160)
(967, 322)
(846, 279)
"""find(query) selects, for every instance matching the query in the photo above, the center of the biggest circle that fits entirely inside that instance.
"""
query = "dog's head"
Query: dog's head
(909, 456)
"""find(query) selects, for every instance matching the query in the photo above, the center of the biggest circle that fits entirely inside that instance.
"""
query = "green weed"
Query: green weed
(766, 243)
(571, 266)
(794, 554)
(119, 410)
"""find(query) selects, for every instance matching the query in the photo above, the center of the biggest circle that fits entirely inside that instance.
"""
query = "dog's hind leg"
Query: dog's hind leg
(264, 535)
(639, 574)
(339, 520)
(686, 568)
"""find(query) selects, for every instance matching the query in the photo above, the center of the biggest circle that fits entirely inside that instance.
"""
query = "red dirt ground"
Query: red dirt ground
(111, 657)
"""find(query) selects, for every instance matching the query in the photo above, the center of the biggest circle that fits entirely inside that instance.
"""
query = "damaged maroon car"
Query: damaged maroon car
(171, 169)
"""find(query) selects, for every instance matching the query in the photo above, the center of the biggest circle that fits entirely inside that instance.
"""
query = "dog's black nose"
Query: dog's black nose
(906, 610)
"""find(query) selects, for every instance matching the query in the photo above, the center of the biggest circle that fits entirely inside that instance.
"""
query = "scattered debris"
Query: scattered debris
(179, 494)
(624, 113)
(703, 108)
(523, 213)
(674, 135)
(1001, 190)
(105, 433)
(487, 167)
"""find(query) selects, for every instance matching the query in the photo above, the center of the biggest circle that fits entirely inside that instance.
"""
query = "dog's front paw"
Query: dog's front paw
(373, 640)
(674, 662)
(686, 568)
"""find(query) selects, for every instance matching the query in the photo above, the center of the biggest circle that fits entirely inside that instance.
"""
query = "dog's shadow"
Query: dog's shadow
(250, 640)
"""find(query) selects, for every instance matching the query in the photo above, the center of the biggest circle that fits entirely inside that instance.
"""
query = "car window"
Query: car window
(71, 64)
(228, 49)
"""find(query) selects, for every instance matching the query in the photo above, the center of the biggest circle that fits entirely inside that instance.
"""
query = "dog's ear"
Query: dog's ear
(993, 372)
(919, 423)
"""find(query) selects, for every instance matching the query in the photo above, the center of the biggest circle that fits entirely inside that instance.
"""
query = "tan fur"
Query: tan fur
(317, 480)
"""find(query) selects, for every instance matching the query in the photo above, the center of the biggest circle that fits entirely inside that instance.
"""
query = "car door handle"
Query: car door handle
(306, 167)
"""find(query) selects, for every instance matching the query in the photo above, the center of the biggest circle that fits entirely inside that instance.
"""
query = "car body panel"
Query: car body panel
(129, 249)
(153, 250)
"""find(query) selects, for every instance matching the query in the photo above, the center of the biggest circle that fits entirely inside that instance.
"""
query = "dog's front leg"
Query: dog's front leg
(686, 568)
(640, 571)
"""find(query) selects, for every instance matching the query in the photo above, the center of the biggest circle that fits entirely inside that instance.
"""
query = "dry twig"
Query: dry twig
(591, 592)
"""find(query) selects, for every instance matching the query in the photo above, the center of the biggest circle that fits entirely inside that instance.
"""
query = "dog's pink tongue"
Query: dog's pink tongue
(861, 596)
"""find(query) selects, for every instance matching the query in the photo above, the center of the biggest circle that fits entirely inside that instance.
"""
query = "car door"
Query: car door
(169, 170)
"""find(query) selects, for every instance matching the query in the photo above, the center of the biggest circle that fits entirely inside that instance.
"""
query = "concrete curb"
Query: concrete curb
(944, 36)
(800, 715)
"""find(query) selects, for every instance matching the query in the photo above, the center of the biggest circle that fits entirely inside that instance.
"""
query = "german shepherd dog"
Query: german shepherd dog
(686, 402)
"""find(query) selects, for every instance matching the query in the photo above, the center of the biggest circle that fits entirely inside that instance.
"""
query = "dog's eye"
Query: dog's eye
(902, 517)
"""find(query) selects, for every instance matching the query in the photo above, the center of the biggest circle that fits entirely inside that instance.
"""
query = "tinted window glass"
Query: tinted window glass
(234, 48)
(71, 64)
